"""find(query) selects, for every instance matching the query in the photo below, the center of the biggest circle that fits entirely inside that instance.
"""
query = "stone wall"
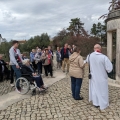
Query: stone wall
(113, 25)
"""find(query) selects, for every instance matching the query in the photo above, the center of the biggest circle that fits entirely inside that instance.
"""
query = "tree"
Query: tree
(99, 30)
(94, 30)
(44, 40)
(41, 41)
(76, 28)
(104, 34)
(77, 35)
(4, 49)
(61, 38)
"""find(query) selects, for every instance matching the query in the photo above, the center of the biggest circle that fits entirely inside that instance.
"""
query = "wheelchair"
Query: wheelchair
(25, 85)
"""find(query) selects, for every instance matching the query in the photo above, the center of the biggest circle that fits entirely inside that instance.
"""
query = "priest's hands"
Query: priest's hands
(7, 63)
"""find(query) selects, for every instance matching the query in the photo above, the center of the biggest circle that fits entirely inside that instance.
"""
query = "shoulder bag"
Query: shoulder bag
(89, 76)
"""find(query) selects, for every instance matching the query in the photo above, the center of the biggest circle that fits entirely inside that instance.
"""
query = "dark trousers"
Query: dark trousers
(38, 81)
(1, 77)
(48, 68)
(6, 74)
(34, 66)
(11, 75)
(76, 84)
(39, 66)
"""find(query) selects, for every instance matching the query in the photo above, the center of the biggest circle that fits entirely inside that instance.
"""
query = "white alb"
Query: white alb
(100, 65)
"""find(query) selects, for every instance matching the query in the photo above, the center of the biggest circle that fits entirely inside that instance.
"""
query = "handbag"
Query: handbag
(89, 76)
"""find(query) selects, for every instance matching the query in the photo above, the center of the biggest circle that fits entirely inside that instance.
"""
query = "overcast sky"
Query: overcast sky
(22, 19)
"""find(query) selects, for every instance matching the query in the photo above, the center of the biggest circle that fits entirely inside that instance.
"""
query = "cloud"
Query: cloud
(19, 35)
(21, 20)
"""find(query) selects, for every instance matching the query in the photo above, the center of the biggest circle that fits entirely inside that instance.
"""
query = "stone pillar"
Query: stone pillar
(118, 55)
(109, 45)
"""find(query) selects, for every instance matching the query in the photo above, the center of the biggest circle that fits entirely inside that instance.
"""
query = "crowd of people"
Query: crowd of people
(62, 57)
(67, 57)
(39, 59)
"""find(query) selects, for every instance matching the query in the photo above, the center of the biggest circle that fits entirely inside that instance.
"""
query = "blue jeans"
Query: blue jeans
(17, 72)
(75, 87)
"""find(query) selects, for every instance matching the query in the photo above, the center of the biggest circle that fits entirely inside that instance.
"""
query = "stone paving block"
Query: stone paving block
(58, 104)
(22, 118)
(5, 87)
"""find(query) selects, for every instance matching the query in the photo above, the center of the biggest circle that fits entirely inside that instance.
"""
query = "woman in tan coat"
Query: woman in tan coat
(76, 73)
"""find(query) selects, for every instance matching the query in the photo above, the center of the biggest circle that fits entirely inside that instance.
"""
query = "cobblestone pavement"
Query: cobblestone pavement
(58, 104)
(5, 87)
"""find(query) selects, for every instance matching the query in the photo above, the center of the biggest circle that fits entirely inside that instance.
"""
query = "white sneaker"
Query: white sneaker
(41, 90)
(12, 85)
(45, 87)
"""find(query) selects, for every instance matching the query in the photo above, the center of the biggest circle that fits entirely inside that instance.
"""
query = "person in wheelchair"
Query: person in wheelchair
(27, 69)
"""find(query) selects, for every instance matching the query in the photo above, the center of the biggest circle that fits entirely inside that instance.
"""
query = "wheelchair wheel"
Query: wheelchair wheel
(24, 85)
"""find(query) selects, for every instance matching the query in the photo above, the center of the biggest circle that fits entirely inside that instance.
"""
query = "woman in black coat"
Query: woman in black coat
(27, 69)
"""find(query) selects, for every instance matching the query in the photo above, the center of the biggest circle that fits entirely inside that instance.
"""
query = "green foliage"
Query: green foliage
(76, 27)
(99, 30)
(4, 49)
(32, 43)
(94, 30)
(37, 41)
(44, 40)
(76, 34)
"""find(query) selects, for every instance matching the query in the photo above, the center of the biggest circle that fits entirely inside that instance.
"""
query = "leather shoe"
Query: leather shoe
(80, 98)
(96, 106)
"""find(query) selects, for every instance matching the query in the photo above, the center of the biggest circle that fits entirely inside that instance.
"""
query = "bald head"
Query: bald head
(97, 47)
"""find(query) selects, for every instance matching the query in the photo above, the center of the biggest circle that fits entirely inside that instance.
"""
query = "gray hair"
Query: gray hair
(25, 61)
(38, 50)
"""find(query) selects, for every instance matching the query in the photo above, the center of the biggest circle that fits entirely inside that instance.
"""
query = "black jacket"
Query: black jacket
(64, 55)
(28, 71)
(4, 64)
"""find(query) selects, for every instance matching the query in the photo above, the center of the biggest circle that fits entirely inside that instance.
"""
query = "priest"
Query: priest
(100, 65)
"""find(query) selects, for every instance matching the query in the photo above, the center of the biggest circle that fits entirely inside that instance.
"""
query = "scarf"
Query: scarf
(18, 58)
(65, 51)
(49, 58)
(98, 51)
